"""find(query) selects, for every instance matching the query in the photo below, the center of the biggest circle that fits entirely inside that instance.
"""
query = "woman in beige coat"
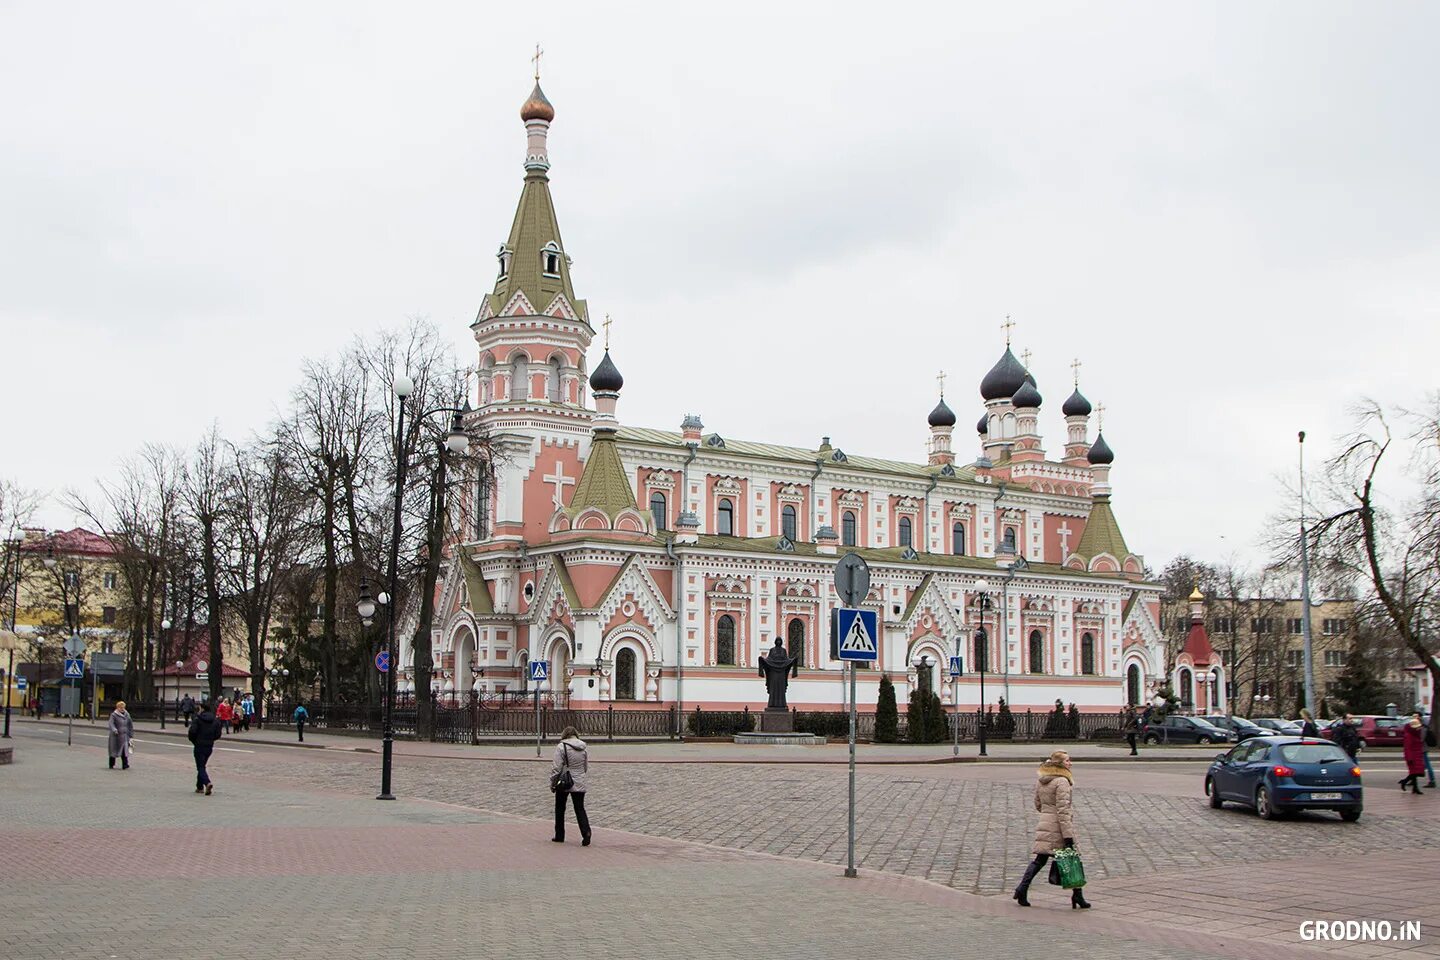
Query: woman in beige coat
(1056, 829)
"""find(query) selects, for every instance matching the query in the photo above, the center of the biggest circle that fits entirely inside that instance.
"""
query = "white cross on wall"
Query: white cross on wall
(560, 481)
(1065, 532)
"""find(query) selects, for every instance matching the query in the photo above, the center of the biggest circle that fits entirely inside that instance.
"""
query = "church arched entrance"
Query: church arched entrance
(1132, 685)
(464, 646)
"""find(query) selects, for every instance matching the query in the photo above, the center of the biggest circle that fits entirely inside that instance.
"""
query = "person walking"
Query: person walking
(1055, 829)
(187, 709)
(223, 714)
(204, 731)
(300, 716)
(1308, 727)
(247, 711)
(1346, 737)
(1414, 750)
(570, 756)
(1130, 726)
(121, 729)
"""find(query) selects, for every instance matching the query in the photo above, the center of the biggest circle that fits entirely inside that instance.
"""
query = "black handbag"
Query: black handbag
(562, 781)
(1055, 872)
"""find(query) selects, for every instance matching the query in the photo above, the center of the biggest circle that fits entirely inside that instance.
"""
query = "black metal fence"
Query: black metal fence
(478, 719)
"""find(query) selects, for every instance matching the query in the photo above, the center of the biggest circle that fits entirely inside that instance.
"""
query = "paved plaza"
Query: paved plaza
(292, 857)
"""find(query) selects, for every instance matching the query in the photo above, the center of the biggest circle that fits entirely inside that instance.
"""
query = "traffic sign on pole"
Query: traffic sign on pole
(74, 646)
(957, 666)
(858, 631)
(382, 661)
(852, 580)
(74, 669)
(21, 683)
(539, 671)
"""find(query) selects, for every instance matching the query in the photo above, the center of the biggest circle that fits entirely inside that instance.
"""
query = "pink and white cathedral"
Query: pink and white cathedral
(654, 566)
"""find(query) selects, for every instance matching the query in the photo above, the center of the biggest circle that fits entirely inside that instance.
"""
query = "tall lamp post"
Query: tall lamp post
(14, 558)
(164, 633)
(179, 665)
(982, 600)
(456, 442)
(51, 562)
(1013, 563)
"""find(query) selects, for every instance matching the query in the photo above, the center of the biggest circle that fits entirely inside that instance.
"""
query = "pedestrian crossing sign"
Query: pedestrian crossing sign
(539, 671)
(74, 669)
(858, 632)
(957, 666)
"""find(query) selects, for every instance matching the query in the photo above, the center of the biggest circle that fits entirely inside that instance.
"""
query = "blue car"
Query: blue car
(1279, 775)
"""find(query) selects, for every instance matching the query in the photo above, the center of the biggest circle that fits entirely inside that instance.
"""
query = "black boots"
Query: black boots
(1021, 893)
(1078, 901)
(1413, 782)
(112, 763)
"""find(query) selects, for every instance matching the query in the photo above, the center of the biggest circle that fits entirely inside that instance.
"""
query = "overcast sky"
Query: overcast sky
(797, 216)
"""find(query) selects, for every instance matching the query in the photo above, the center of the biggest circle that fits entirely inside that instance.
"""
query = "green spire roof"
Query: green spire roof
(475, 588)
(603, 483)
(534, 233)
(1102, 534)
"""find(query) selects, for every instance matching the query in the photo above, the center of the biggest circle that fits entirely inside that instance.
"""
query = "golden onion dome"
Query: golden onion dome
(537, 107)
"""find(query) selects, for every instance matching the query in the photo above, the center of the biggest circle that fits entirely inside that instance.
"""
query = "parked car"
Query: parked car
(1279, 775)
(1239, 727)
(1281, 726)
(1178, 729)
(1378, 731)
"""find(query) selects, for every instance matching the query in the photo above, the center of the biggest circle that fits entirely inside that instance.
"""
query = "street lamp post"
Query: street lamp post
(1013, 563)
(14, 558)
(960, 637)
(982, 601)
(50, 562)
(456, 442)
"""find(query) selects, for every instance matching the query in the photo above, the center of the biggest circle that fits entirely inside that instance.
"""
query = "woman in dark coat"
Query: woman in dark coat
(203, 733)
(121, 729)
(1055, 828)
(1414, 754)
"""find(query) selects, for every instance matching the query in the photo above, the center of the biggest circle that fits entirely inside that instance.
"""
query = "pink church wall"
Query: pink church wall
(539, 494)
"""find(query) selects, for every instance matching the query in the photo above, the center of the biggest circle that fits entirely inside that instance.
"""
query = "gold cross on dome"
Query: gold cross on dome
(536, 60)
(1025, 356)
(941, 379)
(1075, 369)
(1007, 326)
(606, 325)
(1100, 415)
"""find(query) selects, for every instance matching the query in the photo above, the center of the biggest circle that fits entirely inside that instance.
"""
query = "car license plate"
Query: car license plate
(1325, 796)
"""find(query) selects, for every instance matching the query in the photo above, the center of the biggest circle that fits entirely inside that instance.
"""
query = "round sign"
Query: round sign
(382, 661)
(852, 579)
(201, 666)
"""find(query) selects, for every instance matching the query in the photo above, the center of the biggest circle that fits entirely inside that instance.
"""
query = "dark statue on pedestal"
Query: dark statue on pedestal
(777, 667)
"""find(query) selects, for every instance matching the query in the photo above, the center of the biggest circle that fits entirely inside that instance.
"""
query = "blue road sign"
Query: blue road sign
(74, 669)
(957, 666)
(539, 670)
(21, 683)
(382, 661)
(859, 634)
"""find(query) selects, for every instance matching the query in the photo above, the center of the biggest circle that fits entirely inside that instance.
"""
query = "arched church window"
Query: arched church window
(725, 640)
(519, 377)
(555, 383)
(625, 674)
(981, 651)
(847, 528)
(657, 509)
(1037, 652)
(787, 521)
(524, 663)
(795, 639)
(1087, 654)
(906, 534)
(550, 259)
(1132, 685)
(1008, 543)
(725, 518)
(957, 539)
(1187, 694)
(504, 257)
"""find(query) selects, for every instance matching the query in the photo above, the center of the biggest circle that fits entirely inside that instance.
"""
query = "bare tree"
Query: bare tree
(1392, 541)
(17, 509)
(207, 480)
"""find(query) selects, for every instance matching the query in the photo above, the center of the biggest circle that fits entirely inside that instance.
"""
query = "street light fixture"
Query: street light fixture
(961, 636)
(982, 600)
(164, 632)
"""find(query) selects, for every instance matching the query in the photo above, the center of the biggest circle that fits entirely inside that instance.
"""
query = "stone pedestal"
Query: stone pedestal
(781, 739)
(777, 720)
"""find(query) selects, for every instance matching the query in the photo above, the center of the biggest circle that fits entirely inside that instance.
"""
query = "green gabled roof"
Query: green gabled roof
(535, 225)
(567, 586)
(800, 455)
(479, 594)
(915, 597)
(603, 484)
(1102, 534)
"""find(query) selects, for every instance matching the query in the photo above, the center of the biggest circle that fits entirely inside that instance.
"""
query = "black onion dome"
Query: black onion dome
(606, 375)
(1026, 396)
(1076, 405)
(942, 415)
(1030, 379)
(983, 427)
(1003, 379)
(1100, 452)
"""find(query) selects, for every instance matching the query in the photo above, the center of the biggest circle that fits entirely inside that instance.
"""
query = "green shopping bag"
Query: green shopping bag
(1072, 870)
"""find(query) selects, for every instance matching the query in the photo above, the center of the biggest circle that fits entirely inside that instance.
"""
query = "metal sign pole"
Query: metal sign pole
(537, 718)
(850, 843)
(70, 718)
